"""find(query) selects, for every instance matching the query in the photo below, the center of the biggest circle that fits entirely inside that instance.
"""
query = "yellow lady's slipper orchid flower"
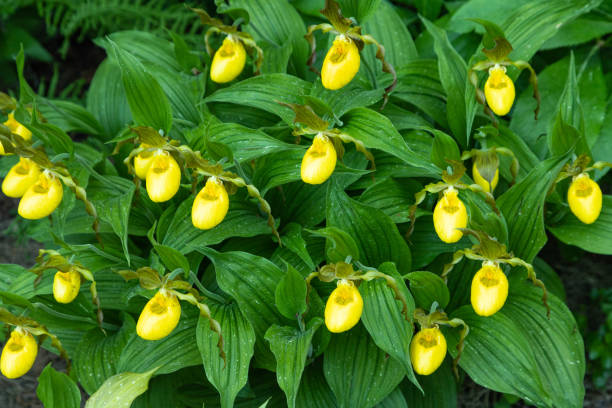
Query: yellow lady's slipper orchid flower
(343, 308)
(427, 350)
(142, 162)
(584, 198)
(163, 178)
(489, 289)
(159, 317)
(17, 127)
(228, 61)
(341, 63)
(18, 354)
(210, 205)
(319, 161)
(482, 182)
(450, 214)
(66, 286)
(42, 197)
(499, 91)
(20, 177)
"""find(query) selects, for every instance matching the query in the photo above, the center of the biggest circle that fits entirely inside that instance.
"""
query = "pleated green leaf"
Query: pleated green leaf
(290, 347)
(382, 316)
(393, 196)
(394, 400)
(439, 389)
(170, 354)
(461, 103)
(524, 205)
(596, 237)
(427, 287)
(97, 355)
(57, 390)
(264, 92)
(314, 392)
(112, 197)
(359, 373)
(497, 355)
(375, 131)
(120, 390)
(360, 9)
(374, 233)
(555, 342)
(148, 103)
(231, 375)
(251, 280)
(242, 220)
(290, 294)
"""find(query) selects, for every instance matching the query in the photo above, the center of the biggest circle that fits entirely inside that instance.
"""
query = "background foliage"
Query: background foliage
(146, 76)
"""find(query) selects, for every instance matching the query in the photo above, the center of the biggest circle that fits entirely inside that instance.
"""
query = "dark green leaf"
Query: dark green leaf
(359, 373)
(444, 148)
(439, 389)
(339, 244)
(57, 390)
(291, 347)
(290, 294)
(231, 375)
(427, 287)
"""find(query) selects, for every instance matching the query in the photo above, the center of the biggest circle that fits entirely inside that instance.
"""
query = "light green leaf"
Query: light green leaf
(339, 244)
(360, 9)
(57, 390)
(231, 375)
(359, 373)
(524, 205)
(148, 103)
(461, 103)
(291, 347)
(444, 148)
(120, 390)
(375, 131)
(97, 355)
(383, 317)
(427, 287)
(290, 294)
(264, 92)
(596, 237)
(254, 293)
(374, 233)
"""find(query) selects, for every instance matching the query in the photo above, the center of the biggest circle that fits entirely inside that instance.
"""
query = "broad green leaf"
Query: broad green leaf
(360, 9)
(555, 342)
(314, 392)
(339, 244)
(231, 375)
(374, 232)
(393, 196)
(429, 8)
(120, 390)
(375, 131)
(498, 356)
(106, 99)
(112, 197)
(290, 294)
(427, 287)
(383, 318)
(292, 239)
(596, 237)
(531, 25)
(148, 103)
(359, 373)
(276, 57)
(291, 347)
(149, 48)
(444, 148)
(170, 354)
(524, 205)
(57, 390)
(386, 26)
(425, 245)
(337, 103)
(526, 157)
(172, 259)
(581, 30)
(69, 117)
(264, 92)
(251, 280)
(277, 22)
(242, 220)
(246, 144)
(97, 355)
(461, 103)
(568, 129)
(394, 400)
(439, 389)
(51, 136)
